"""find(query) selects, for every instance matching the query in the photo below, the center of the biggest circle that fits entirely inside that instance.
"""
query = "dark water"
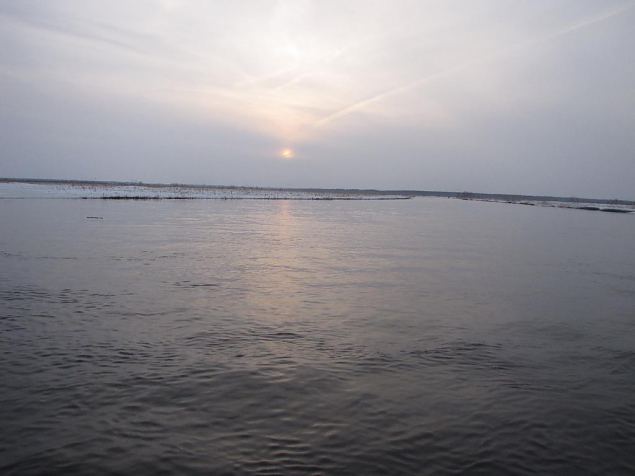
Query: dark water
(427, 336)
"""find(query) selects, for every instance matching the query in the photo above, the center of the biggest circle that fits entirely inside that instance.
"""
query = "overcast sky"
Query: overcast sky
(533, 97)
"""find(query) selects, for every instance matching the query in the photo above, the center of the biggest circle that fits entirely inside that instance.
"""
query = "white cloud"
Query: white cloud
(313, 74)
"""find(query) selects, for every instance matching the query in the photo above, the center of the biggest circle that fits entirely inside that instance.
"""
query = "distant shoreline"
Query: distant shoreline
(99, 190)
(396, 194)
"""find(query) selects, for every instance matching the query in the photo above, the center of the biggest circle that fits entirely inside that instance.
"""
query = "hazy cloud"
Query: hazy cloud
(491, 95)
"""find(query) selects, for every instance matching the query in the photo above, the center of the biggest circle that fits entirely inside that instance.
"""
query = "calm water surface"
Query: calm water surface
(426, 336)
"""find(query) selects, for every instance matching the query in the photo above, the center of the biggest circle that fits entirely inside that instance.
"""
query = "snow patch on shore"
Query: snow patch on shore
(140, 192)
(591, 206)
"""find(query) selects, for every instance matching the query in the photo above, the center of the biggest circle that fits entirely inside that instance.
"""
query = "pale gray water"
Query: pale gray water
(426, 336)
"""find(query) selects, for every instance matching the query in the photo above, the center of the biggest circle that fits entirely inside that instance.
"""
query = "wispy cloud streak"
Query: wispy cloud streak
(356, 106)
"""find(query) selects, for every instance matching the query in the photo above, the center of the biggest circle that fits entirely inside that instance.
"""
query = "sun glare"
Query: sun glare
(287, 153)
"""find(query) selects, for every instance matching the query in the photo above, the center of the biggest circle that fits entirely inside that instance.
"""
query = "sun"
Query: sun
(287, 153)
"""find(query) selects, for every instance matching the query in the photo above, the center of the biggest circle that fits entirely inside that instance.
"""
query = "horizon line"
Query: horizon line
(440, 193)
